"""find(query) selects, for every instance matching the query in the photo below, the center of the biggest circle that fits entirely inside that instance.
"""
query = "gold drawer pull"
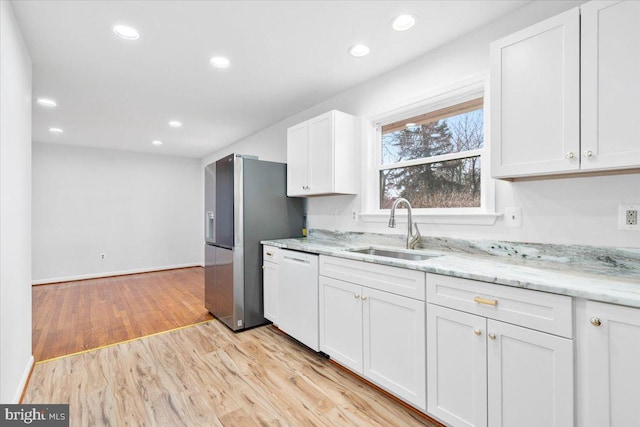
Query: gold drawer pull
(485, 301)
(269, 254)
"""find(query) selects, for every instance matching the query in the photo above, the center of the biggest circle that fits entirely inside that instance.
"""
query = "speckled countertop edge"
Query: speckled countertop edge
(601, 274)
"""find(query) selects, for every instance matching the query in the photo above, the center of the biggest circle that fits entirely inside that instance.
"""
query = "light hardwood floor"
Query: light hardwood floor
(75, 316)
(206, 375)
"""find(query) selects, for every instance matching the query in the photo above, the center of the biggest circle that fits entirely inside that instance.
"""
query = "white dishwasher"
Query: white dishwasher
(298, 297)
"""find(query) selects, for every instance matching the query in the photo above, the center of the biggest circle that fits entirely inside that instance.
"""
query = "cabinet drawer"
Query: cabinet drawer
(532, 309)
(270, 253)
(400, 281)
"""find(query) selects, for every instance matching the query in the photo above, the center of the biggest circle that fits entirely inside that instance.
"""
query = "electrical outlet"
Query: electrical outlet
(354, 215)
(628, 217)
(513, 217)
(102, 256)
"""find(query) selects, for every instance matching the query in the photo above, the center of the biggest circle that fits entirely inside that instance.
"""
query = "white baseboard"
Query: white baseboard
(23, 381)
(112, 273)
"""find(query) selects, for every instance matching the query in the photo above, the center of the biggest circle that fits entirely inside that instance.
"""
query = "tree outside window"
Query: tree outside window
(434, 160)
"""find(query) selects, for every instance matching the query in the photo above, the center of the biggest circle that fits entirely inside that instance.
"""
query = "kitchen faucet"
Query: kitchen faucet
(412, 239)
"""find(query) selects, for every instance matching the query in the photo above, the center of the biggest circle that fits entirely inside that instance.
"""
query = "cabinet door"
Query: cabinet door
(612, 355)
(341, 322)
(297, 159)
(610, 84)
(535, 99)
(530, 377)
(456, 367)
(394, 345)
(321, 154)
(270, 290)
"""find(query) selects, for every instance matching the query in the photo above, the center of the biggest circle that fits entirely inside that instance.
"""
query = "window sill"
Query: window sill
(455, 218)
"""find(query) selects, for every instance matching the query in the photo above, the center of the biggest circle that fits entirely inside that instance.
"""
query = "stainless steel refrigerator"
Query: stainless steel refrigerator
(245, 202)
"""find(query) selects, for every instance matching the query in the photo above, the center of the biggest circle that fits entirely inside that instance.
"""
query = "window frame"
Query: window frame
(458, 93)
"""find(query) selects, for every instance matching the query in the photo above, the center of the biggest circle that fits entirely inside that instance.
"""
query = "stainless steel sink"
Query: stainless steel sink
(389, 253)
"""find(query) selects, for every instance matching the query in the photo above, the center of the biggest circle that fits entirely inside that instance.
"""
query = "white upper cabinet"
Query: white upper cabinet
(321, 155)
(297, 158)
(610, 85)
(535, 99)
(564, 93)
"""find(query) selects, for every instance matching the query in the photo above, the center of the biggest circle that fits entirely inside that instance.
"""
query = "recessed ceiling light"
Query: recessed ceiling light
(55, 130)
(125, 32)
(45, 102)
(358, 50)
(175, 124)
(156, 142)
(220, 62)
(403, 22)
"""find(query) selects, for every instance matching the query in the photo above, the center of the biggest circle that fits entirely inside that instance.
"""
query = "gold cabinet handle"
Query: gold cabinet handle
(364, 297)
(269, 254)
(595, 321)
(486, 301)
(356, 296)
(492, 336)
(477, 331)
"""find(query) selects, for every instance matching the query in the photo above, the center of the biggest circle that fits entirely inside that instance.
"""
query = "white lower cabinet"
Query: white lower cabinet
(341, 322)
(377, 334)
(608, 365)
(471, 353)
(486, 372)
(530, 377)
(456, 366)
(270, 280)
(394, 344)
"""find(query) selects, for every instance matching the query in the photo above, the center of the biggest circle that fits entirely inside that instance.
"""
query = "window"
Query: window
(433, 159)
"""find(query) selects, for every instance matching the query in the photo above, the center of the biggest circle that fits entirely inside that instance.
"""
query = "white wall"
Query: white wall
(143, 211)
(15, 208)
(578, 211)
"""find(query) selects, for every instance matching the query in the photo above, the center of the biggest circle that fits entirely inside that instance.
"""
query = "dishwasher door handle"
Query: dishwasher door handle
(302, 260)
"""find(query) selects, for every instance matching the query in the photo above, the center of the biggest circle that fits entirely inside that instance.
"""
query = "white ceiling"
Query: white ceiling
(286, 56)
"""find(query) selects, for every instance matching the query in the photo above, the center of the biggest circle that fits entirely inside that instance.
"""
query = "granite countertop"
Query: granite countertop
(597, 273)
